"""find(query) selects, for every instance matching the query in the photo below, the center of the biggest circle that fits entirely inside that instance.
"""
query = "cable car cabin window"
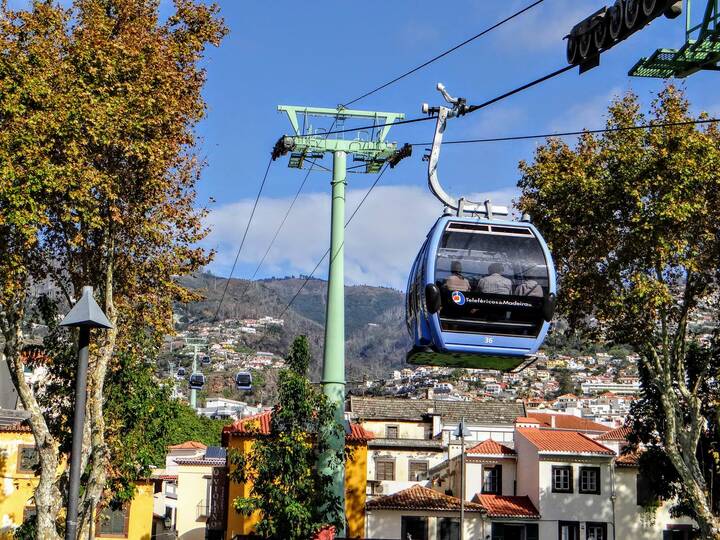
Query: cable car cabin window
(493, 280)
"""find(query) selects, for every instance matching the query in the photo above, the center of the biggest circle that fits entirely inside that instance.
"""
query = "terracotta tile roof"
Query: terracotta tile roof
(259, 424)
(491, 448)
(563, 442)
(188, 445)
(567, 421)
(617, 434)
(631, 459)
(251, 425)
(567, 396)
(503, 506)
(526, 420)
(15, 428)
(420, 498)
(417, 410)
(358, 434)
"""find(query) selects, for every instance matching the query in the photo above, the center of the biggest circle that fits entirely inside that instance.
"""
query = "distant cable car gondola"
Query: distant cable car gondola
(181, 372)
(481, 291)
(197, 381)
(205, 360)
(243, 381)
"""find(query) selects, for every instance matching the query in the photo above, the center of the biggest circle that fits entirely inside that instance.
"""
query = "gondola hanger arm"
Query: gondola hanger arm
(459, 205)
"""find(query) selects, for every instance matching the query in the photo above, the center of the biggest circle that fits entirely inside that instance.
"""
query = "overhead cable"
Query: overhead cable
(242, 242)
(579, 132)
(469, 109)
(327, 251)
(445, 53)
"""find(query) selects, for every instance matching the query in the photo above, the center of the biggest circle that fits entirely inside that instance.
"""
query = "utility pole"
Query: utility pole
(195, 343)
(374, 151)
(461, 431)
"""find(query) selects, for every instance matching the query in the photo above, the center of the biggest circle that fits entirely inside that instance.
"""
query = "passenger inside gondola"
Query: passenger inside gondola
(495, 282)
(529, 287)
(456, 281)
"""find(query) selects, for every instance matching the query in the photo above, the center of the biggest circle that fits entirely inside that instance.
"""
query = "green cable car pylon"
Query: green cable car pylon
(701, 50)
(373, 150)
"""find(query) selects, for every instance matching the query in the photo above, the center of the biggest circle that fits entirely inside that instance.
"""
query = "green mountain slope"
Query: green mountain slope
(374, 320)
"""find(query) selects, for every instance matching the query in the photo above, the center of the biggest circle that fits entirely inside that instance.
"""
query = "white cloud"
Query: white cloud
(590, 114)
(545, 26)
(499, 120)
(381, 241)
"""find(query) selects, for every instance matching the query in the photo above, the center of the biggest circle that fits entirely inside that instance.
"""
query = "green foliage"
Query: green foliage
(632, 218)
(294, 497)
(564, 379)
(142, 420)
(26, 531)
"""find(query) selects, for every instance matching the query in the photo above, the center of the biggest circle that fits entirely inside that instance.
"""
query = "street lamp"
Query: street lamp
(85, 314)
(461, 431)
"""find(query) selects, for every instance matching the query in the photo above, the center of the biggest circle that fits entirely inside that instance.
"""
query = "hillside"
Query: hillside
(374, 322)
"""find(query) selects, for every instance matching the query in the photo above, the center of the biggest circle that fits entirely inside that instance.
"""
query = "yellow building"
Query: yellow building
(18, 458)
(240, 436)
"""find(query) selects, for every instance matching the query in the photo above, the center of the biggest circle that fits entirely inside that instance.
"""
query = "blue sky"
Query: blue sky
(323, 53)
(326, 52)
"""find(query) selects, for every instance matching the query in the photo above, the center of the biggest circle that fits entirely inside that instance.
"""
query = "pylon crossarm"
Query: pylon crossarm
(340, 114)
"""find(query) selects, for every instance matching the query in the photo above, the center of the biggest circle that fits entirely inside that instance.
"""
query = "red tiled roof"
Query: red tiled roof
(567, 421)
(420, 498)
(358, 434)
(491, 448)
(503, 506)
(16, 428)
(630, 459)
(526, 420)
(188, 445)
(563, 442)
(617, 434)
(259, 424)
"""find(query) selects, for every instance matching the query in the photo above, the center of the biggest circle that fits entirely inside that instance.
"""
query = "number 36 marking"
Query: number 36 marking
(488, 340)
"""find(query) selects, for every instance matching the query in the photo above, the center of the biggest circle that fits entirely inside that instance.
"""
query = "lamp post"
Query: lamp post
(84, 315)
(461, 431)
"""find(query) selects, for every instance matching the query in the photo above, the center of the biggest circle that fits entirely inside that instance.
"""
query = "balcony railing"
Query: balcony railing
(203, 510)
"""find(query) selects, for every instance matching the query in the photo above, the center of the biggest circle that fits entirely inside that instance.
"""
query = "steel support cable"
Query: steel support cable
(327, 251)
(470, 109)
(445, 53)
(579, 132)
(242, 242)
(279, 228)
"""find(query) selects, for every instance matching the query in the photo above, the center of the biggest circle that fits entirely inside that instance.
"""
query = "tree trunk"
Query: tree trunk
(97, 474)
(47, 497)
(682, 453)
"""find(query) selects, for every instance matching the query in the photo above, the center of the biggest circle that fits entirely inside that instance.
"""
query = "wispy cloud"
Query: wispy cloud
(590, 114)
(381, 241)
(544, 26)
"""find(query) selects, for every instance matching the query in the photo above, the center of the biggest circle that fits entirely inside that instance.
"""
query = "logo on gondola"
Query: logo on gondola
(458, 298)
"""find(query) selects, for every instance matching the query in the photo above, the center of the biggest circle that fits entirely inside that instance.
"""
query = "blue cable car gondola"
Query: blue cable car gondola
(181, 372)
(481, 292)
(197, 381)
(243, 381)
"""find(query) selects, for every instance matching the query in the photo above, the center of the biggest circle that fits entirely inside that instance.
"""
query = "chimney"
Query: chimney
(552, 420)
(429, 393)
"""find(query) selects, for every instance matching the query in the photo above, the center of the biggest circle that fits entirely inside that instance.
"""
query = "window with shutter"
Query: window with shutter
(417, 470)
(384, 470)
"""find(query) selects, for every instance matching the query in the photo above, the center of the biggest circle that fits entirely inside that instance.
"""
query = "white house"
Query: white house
(546, 484)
